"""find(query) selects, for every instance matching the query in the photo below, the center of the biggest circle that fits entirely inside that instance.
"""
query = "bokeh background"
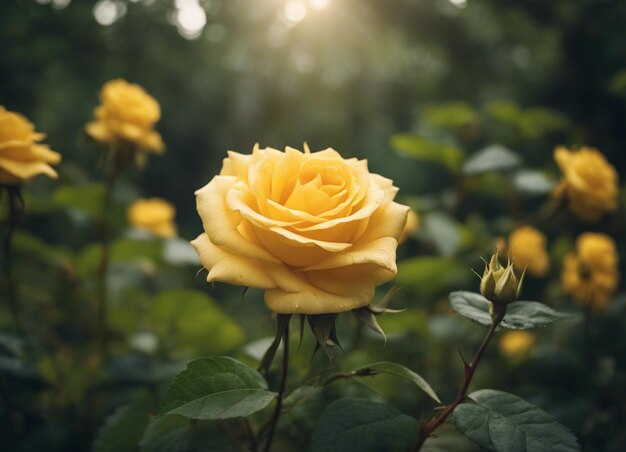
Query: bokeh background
(399, 82)
(342, 73)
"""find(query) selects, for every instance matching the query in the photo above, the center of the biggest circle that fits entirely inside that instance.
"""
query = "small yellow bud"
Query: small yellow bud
(499, 284)
(506, 287)
(488, 285)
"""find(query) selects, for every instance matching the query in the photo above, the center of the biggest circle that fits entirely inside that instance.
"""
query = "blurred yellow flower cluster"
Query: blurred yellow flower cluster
(153, 215)
(590, 183)
(22, 157)
(126, 114)
(515, 344)
(590, 275)
(528, 248)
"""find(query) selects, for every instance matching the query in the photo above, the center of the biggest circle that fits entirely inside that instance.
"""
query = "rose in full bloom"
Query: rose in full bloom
(590, 183)
(22, 157)
(412, 224)
(515, 344)
(318, 232)
(126, 114)
(528, 247)
(154, 215)
(590, 275)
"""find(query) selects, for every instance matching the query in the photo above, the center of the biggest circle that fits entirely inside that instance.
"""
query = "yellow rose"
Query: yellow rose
(528, 247)
(127, 114)
(590, 275)
(316, 231)
(590, 183)
(154, 215)
(515, 344)
(21, 156)
(412, 224)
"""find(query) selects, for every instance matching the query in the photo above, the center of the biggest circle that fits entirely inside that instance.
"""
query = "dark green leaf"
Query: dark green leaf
(472, 306)
(525, 315)
(178, 434)
(363, 426)
(520, 315)
(122, 430)
(217, 388)
(503, 422)
(492, 158)
(87, 199)
(399, 370)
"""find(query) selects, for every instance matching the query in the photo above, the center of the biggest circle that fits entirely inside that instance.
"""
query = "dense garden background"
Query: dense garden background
(417, 87)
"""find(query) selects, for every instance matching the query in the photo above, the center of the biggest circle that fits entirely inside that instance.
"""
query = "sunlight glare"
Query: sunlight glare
(294, 11)
(320, 4)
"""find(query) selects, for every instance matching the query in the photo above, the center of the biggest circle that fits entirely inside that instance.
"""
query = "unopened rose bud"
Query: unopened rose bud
(499, 284)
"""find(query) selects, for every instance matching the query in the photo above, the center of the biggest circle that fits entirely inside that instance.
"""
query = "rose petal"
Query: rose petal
(27, 170)
(229, 268)
(221, 223)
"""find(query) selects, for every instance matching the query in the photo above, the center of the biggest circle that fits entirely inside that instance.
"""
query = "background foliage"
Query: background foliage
(418, 87)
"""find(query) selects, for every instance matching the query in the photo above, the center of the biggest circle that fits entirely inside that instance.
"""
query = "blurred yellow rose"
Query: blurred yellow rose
(316, 231)
(126, 114)
(412, 224)
(21, 156)
(515, 344)
(590, 183)
(528, 248)
(154, 215)
(590, 275)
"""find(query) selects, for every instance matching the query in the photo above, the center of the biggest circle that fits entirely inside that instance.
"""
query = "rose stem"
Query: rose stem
(103, 268)
(281, 391)
(469, 369)
(16, 209)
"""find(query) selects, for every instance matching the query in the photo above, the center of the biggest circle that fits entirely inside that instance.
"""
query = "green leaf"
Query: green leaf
(122, 430)
(503, 422)
(525, 315)
(451, 115)
(86, 199)
(504, 110)
(431, 276)
(492, 158)
(386, 367)
(472, 306)
(364, 426)
(520, 315)
(187, 321)
(217, 388)
(178, 434)
(539, 121)
(167, 434)
(130, 250)
(420, 148)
